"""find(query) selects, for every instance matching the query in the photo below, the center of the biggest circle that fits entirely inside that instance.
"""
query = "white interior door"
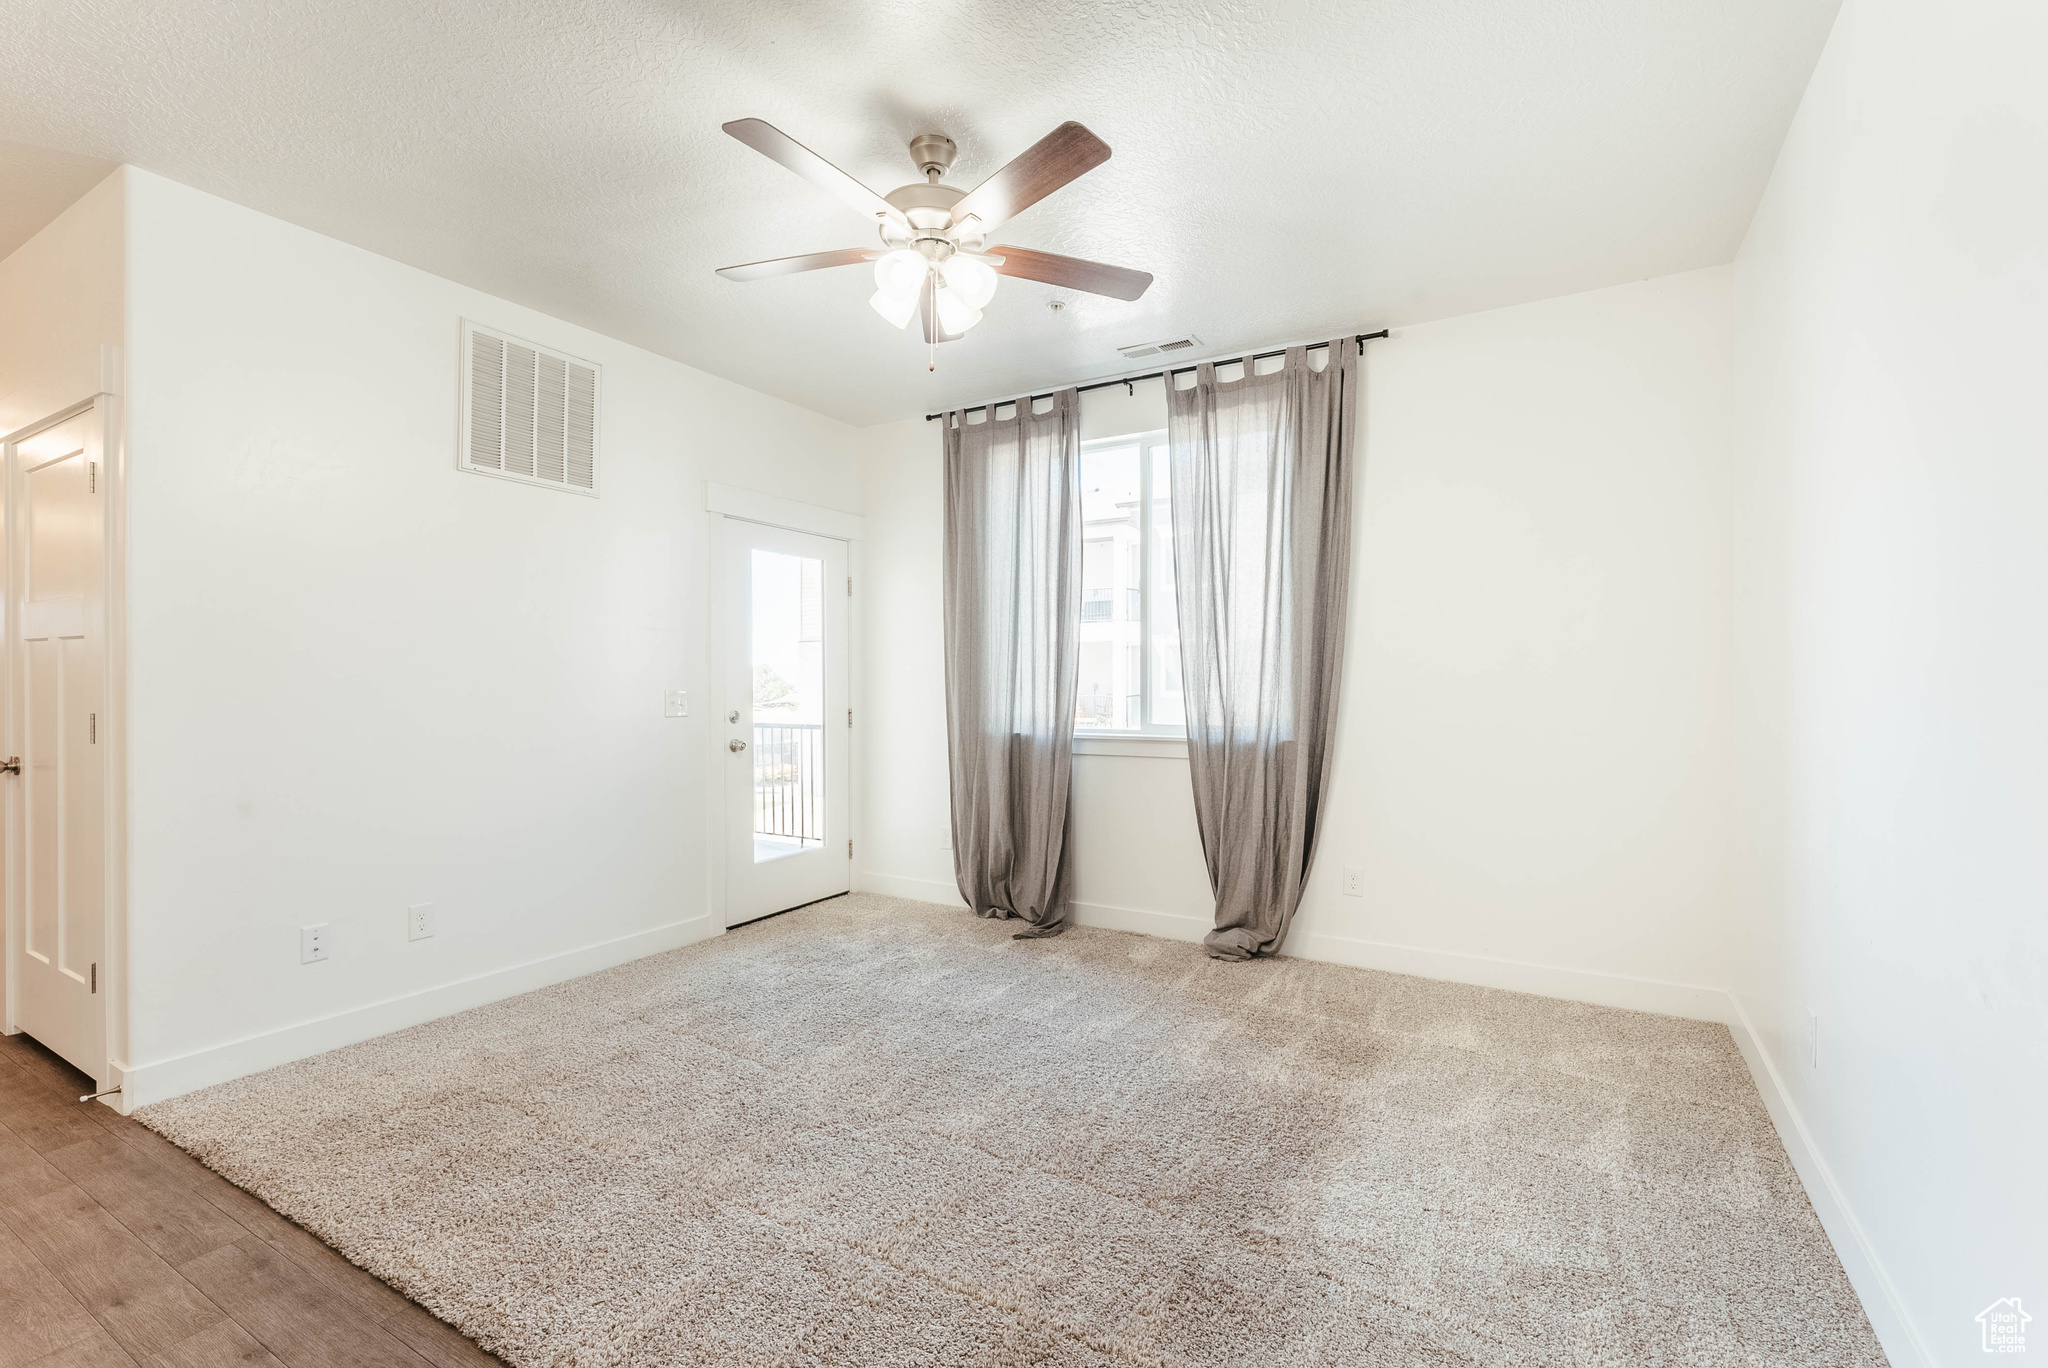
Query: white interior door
(783, 723)
(56, 882)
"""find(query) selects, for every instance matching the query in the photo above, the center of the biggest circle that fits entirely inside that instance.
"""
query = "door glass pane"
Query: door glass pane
(788, 662)
(1167, 707)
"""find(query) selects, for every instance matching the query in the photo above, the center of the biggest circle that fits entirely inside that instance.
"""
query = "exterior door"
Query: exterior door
(56, 847)
(783, 723)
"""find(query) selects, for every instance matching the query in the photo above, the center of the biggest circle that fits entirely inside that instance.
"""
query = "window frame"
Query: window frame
(1151, 444)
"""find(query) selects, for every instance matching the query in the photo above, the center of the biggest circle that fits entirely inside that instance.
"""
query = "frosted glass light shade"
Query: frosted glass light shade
(956, 315)
(897, 309)
(973, 279)
(900, 274)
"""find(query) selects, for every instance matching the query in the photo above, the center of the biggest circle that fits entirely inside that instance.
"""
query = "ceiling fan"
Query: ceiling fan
(932, 261)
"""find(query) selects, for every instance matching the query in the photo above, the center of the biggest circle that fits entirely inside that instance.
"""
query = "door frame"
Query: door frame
(722, 502)
(113, 742)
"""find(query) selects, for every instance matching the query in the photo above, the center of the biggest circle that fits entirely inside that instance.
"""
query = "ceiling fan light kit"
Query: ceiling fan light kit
(973, 278)
(934, 265)
(898, 309)
(955, 316)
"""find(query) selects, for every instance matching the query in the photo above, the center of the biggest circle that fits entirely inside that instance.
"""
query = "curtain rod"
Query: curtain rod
(1361, 339)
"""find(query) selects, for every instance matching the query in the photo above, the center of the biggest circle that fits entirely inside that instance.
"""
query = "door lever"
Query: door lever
(13, 765)
(735, 745)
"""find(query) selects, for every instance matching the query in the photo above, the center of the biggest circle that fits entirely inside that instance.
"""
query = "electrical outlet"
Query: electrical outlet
(675, 703)
(419, 921)
(1354, 881)
(1812, 1045)
(315, 943)
(946, 841)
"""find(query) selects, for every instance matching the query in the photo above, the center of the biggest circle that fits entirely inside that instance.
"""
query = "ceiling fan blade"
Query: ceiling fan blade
(776, 145)
(781, 266)
(928, 313)
(1090, 277)
(1058, 157)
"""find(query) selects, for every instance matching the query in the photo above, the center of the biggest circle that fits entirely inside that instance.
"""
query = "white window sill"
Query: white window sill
(1131, 743)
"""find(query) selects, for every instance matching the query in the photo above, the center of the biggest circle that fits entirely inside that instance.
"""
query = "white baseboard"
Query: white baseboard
(905, 886)
(1882, 1304)
(1169, 925)
(1691, 1000)
(142, 1084)
(1577, 985)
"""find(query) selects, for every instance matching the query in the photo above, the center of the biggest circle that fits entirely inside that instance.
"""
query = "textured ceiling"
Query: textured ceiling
(1286, 170)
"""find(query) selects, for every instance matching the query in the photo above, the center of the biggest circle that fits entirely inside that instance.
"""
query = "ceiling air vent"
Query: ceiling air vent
(528, 413)
(1139, 351)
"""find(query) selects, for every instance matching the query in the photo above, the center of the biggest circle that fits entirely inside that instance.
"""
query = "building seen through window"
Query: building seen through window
(1130, 637)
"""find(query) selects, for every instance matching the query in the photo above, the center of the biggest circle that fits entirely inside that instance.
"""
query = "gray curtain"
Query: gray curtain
(1262, 552)
(1013, 612)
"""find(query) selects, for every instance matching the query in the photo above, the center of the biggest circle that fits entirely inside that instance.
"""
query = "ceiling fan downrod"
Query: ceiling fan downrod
(933, 153)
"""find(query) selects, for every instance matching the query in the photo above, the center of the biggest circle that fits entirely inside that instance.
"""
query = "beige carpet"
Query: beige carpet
(875, 1132)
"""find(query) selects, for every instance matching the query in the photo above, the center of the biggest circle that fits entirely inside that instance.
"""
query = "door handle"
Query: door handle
(735, 745)
(13, 765)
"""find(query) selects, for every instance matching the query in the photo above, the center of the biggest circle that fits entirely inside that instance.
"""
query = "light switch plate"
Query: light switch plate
(675, 703)
(419, 921)
(315, 943)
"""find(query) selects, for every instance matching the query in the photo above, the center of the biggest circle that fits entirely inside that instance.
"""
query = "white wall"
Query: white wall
(61, 310)
(1532, 769)
(902, 805)
(1892, 673)
(362, 679)
(61, 327)
(1532, 745)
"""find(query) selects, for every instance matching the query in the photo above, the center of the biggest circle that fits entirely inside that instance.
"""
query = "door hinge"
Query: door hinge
(849, 586)
(95, 976)
(92, 477)
(92, 729)
(849, 717)
(849, 850)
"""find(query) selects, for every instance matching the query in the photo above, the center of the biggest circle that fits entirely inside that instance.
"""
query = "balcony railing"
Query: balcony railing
(789, 780)
(1099, 605)
(1099, 709)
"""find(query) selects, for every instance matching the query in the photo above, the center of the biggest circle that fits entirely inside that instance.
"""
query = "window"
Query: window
(1130, 630)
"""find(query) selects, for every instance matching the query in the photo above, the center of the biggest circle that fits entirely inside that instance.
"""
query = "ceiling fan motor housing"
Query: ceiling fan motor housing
(933, 153)
(929, 208)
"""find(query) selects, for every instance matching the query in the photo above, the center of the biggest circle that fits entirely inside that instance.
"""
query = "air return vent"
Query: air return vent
(528, 413)
(1139, 351)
